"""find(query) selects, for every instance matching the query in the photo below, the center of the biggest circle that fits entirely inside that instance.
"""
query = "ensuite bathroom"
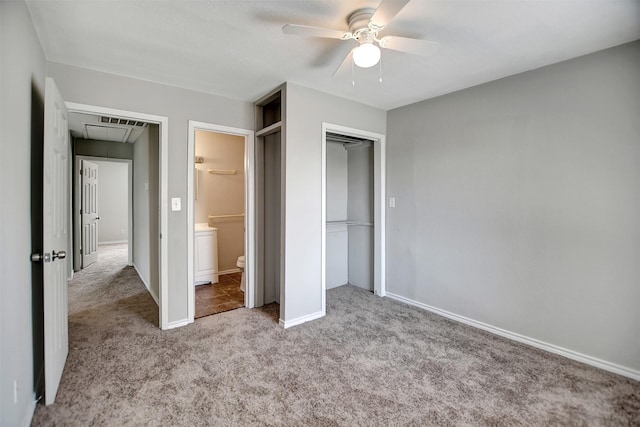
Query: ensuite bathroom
(219, 210)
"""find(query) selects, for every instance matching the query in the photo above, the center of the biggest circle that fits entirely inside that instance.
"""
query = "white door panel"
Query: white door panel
(90, 215)
(55, 238)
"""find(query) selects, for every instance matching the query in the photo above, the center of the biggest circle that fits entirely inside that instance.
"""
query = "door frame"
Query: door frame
(249, 208)
(379, 205)
(163, 123)
(77, 239)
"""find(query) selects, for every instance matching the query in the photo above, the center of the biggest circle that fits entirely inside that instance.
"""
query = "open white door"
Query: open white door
(55, 239)
(89, 212)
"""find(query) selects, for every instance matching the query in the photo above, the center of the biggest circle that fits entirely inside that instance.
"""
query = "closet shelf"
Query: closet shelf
(276, 127)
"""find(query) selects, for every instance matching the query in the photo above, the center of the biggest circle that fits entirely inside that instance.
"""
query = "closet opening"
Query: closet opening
(353, 209)
(270, 203)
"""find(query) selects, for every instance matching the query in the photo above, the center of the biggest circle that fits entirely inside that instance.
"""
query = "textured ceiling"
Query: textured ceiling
(236, 48)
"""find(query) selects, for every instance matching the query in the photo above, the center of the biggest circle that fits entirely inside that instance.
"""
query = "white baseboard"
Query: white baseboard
(300, 320)
(570, 354)
(177, 324)
(232, 270)
(29, 411)
(112, 242)
(146, 285)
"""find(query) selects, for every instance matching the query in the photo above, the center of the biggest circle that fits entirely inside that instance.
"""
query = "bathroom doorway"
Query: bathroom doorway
(219, 212)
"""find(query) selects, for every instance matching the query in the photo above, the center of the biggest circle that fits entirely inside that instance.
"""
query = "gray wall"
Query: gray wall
(305, 112)
(272, 154)
(145, 209)
(113, 201)
(179, 105)
(91, 147)
(517, 204)
(21, 63)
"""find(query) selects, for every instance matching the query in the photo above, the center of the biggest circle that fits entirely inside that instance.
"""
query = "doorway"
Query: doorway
(353, 209)
(159, 186)
(219, 202)
(115, 205)
(213, 221)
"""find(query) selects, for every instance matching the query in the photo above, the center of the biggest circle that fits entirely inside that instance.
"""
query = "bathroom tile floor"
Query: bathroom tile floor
(222, 296)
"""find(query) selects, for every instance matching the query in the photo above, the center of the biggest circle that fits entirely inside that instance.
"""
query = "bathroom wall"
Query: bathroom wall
(221, 194)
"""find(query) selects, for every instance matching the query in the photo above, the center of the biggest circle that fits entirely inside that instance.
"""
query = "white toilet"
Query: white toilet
(240, 265)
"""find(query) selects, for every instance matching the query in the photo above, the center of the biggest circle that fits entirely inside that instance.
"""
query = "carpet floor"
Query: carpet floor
(371, 361)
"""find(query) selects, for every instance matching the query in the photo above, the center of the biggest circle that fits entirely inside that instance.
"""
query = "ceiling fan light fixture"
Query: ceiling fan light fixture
(366, 55)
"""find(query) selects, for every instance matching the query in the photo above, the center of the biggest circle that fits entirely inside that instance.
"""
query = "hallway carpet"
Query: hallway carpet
(371, 361)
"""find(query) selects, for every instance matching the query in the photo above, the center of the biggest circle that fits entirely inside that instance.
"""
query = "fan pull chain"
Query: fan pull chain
(380, 68)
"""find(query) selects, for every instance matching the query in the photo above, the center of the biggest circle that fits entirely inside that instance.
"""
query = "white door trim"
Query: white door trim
(249, 206)
(163, 123)
(379, 204)
(129, 163)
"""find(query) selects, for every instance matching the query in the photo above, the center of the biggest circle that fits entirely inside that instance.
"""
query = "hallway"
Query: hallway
(107, 281)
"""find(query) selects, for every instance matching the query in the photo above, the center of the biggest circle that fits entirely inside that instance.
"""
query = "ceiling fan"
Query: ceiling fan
(364, 27)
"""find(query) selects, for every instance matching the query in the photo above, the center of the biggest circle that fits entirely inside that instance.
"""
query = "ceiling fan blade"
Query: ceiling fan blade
(387, 10)
(344, 65)
(413, 46)
(306, 31)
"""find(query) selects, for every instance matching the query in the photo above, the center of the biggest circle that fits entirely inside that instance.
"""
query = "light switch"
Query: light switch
(392, 202)
(175, 204)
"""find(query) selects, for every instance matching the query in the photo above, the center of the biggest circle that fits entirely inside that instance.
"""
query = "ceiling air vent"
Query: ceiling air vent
(118, 121)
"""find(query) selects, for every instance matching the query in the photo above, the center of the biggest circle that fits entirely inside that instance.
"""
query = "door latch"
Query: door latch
(39, 258)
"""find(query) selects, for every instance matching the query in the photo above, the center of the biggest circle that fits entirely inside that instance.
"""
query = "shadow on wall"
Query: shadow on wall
(37, 291)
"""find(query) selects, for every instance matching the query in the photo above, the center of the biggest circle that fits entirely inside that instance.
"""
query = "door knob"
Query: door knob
(59, 255)
(39, 257)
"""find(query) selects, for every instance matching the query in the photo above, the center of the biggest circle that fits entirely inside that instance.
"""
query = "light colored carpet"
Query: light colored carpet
(370, 361)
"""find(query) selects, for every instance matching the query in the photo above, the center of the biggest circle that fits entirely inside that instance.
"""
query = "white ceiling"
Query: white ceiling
(236, 48)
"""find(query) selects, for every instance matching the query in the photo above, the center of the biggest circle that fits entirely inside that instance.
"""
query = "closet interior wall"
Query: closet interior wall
(350, 219)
